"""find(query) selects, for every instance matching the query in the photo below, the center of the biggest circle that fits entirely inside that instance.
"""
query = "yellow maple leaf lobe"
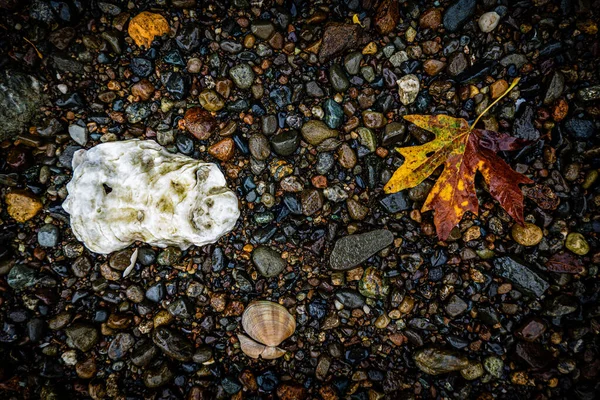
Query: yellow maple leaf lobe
(145, 26)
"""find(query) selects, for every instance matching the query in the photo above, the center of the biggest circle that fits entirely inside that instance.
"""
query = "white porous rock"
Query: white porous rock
(408, 88)
(133, 190)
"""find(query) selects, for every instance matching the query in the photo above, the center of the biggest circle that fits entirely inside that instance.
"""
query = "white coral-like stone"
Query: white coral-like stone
(133, 190)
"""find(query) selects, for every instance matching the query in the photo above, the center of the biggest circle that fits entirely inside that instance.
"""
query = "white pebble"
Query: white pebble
(408, 88)
(489, 21)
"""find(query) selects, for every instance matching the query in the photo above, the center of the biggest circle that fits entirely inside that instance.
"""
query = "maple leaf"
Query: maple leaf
(463, 151)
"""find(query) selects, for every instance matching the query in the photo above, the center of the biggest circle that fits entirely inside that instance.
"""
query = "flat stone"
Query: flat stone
(22, 205)
(315, 132)
(396, 202)
(82, 336)
(456, 306)
(21, 277)
(268, 261)
(20, 99)
(458, 13)
(521, 276)
(173, 344)
(350, 251)
(338, 38)
(435, 361)
(489, 21)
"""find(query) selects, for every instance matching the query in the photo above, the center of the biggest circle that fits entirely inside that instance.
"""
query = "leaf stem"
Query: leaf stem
(512, 85)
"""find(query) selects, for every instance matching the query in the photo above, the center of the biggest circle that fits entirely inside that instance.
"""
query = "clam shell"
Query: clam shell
(268, 323)
(256, 350)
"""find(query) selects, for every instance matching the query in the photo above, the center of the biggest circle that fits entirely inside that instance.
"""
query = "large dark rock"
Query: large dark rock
(352, 250)
(20, 100)
(458, 13)
(521, 276)
(338, 38)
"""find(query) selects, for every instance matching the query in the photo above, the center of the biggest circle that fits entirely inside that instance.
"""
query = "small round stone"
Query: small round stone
(268, 261)
(48, 235)
(577, 244)
(527, 235)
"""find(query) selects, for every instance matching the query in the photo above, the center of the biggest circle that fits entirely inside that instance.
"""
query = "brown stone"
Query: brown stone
(532, 329)
(22, 205)
(431, 47)
(356, 210)
(210, 100)
(143, 89)
(433, 67)
(222, 150)
(346, 156)
(86, 369)
(560, 110)
(319, 181)
(288, 391)
(339, 37)
(388, 14)
(199, 123)
(431, 19)
(498, 88)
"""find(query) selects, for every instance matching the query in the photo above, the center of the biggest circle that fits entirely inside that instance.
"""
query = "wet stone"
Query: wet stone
(581, 129)
(157, 377)
(350, 298)
(337, 77)
(172, 344)
(531, 329)
(285, 143)
(156, 292)
(315, 132)
(48, 235)
(396, 202)
(488, 21)
(352, 250)
(242, 75)
(120, 345)
(458, 13)
(494, 366)
(21, 277)
(334, 114)
(577, 244)
(268, 261)
(434, 361)
(527, 234)
(520, 275)
(312, 201)
(373, 284)
(408, 89)
(259, 146)
(82, 336)
(456, 306)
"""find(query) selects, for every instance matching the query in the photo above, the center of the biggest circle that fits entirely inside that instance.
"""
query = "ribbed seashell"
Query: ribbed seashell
(268, 323)
(256, 350)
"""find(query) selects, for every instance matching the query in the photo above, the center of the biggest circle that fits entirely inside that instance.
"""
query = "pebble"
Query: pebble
(268, 261)
(315, 132)
(520, 275)
(79, 134)
(48, 235)
(346, 156)
(22, 205)
(312, 201)
(373, 284)
(157, 377)
(242, 75)
(259, 146)
(458, 13)
(352, 250)
(527, 234)
(473, 371)
(337, 77)
(200, 123)
(431, 19)
(21, 277)
(434, 361)
(82, 336)
(211, 101)
(223, 150)
(172, 344)
(350, 298)
(494, 366)
(457, 63)
(285, 143)
(577, 244)
(408, 89)
(456, 306)
(488, 21)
